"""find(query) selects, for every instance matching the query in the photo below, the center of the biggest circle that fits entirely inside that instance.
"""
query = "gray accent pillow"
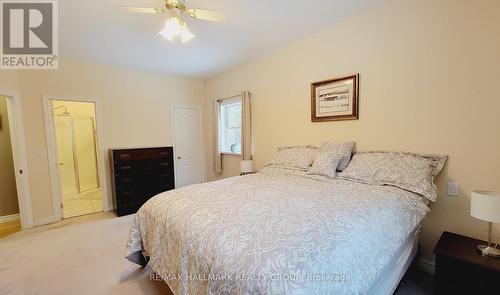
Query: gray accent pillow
(296, 157)
(346, 148)
(325, 164)
(408, 171)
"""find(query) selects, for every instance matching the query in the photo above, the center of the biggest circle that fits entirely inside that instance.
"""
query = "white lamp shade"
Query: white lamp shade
(246, 166)
(485, 205)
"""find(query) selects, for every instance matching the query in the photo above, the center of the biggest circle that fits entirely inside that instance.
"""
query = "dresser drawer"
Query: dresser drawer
(126, 208)
(141, 154)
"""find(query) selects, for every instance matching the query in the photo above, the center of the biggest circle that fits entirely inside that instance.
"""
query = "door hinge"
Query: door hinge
(21, 171)
(62, 206)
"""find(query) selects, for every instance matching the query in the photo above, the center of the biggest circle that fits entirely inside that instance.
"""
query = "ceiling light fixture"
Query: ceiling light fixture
(176, 27)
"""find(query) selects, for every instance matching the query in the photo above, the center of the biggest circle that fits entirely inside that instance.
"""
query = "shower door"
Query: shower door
(65, 155)
(85, 153)
(77, 156)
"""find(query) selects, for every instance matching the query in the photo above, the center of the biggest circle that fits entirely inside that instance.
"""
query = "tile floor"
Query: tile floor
(85, 203)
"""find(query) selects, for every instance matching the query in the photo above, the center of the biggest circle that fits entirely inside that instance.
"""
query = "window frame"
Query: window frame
(224, 103)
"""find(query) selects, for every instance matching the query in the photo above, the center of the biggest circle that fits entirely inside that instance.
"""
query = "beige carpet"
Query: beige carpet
(82, 255)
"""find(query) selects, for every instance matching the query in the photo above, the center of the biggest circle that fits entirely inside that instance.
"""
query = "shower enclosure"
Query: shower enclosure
(77, 153)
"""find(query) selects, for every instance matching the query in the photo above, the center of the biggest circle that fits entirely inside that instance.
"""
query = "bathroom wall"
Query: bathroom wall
(8, 192)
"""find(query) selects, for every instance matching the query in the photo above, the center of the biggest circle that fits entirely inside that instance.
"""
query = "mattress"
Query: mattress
(274, 232)
(393, 272)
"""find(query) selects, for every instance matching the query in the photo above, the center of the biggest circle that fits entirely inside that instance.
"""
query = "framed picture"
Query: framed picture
(335, 99)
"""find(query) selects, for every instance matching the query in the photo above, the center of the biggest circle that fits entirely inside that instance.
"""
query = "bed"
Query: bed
(279, 231)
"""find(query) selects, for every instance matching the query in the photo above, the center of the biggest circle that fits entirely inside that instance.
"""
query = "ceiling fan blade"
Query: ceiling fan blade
(210, 15)
(143, 9)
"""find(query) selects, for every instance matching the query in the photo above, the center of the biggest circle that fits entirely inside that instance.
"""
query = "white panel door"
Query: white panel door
(187, 145)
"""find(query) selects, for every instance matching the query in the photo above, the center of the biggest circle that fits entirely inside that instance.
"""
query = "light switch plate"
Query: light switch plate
(453, 189)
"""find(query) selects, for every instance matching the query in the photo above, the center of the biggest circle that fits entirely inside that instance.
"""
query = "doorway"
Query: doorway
(76, 156)
(188, 151)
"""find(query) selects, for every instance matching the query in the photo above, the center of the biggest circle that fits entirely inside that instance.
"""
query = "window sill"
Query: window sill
(230, 154)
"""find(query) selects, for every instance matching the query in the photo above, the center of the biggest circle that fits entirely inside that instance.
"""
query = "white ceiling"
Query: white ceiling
(99, 31)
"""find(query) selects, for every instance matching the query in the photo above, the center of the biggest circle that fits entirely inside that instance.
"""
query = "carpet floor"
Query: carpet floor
(84, 255)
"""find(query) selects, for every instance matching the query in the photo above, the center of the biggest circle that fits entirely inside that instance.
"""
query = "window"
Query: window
(230, 126)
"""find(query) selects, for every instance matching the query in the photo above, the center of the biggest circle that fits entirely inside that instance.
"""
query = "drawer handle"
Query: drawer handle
(123, 156)
(163, 153)
(164, 164)
(126, 180)
(128, 192)
(126, 167)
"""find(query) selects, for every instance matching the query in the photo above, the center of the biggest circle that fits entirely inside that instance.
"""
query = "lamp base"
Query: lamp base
(489, 250)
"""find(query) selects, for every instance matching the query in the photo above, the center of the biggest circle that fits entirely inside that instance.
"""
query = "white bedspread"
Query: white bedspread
(274, 232)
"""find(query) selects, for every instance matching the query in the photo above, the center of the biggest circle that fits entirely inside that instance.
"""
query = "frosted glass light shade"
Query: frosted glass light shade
(246, 166)
(485, 205)
(186, 35)
(176, 28)
(172, 29)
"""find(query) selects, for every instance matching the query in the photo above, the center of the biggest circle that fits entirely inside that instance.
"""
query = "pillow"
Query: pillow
(325, 164)
(297, 157)
(345, 148)
(409, 171)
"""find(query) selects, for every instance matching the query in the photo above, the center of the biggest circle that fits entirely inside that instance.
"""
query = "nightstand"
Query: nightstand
(461, 269)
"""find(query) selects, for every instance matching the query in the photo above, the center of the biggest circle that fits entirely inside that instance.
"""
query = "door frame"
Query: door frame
(18, 144)
(50, 134)
(202, 149)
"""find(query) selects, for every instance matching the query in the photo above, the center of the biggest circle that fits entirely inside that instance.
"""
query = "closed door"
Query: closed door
(187, 146)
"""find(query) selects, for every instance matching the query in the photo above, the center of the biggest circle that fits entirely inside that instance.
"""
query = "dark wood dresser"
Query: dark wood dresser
(139, 174)
(462, 269)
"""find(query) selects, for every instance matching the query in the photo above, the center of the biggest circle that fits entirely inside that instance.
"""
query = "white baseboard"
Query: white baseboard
(45, 220)
(8, 218)
(427, 266)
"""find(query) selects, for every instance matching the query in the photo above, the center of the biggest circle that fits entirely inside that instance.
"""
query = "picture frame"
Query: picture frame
(335, 99)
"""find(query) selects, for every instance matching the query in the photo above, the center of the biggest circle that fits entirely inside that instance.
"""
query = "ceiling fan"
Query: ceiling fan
(176, 26)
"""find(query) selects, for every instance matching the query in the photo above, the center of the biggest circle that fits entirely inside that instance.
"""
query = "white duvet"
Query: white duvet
(274, 232)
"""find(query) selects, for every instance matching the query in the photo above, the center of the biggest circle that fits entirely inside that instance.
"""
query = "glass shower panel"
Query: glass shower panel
(67, 174)
(85, 151)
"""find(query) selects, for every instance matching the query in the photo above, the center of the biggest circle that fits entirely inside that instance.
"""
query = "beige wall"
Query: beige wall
(135, 111)
(8, 191)
(429, 75)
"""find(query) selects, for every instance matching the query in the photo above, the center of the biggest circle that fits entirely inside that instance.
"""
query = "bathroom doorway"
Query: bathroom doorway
(77, 157)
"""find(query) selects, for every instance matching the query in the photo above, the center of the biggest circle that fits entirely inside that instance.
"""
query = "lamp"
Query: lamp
(176, 27)
(246, 167)
(485, 205)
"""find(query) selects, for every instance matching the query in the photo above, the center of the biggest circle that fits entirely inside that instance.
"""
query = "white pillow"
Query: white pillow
(346, 148)
(297, 157)
(410, 171)
(326, 164)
